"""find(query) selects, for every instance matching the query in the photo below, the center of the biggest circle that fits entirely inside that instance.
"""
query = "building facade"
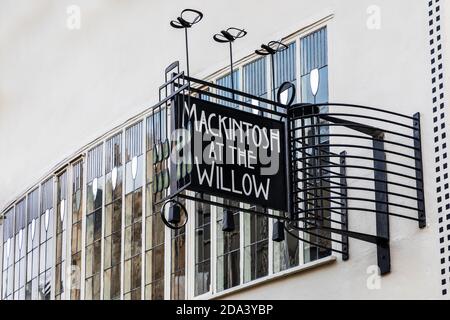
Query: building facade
(80, 215)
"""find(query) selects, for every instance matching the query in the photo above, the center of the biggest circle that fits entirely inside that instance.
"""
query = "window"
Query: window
(228, 250)
(113, 218)
(225, 81)
(154, 235)
(178, 262)
(60, 219)
(93, 248)
(77, 213)
(46, 241)
(31, 290)
(256, 245)
(314, 56)
(202, 247)
(256, 230)
(134, 162)
(8, 256)
(255, 81)
(285, 67)
(285, 253)
(20, 250)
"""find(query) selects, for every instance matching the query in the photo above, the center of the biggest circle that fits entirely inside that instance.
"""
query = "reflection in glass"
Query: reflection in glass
(113, 218)
(286, 253)
(46, 241)
(154, 235)
(178, 263)
(20, 250)
(31, 287)
(8, 256)
(202, 247)
(94, 201)
(134, 174)
(256, 246)
(60, 219)
(228, 245)
(77, 211)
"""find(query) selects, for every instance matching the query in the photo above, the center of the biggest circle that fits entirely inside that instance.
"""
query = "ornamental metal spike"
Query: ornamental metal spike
(229, 36)
(272, 48)
(186, 20)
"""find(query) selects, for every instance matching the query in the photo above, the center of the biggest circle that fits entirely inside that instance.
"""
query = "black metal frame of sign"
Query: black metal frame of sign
(338, 163)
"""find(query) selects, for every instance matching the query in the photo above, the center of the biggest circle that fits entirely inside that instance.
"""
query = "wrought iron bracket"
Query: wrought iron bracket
(317, 177)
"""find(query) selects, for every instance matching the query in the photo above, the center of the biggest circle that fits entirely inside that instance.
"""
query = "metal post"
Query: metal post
(229, 36)
(231, 67)
(273, 76)
(187, 51)
(185, 22)
(289, 160)
(419, 170)
(344, 217)
(381, 205)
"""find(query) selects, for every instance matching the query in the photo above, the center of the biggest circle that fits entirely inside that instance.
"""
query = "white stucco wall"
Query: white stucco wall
(61, 88)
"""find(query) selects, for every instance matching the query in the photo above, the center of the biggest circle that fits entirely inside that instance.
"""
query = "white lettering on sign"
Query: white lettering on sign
(249, 151)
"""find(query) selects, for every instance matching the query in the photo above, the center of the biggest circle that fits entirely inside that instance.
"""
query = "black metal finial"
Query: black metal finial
(186, 20)
(229, 36)
(271, 49)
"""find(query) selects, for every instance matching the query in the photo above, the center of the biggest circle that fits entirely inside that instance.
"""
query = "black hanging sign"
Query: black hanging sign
(233, 154)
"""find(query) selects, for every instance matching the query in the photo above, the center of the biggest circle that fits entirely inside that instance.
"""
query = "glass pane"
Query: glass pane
(97, 225)
(117, 217)
(107, 259)
(116, 246)
(107, 285)
(136, 272)
(137, 239)
(115, 282)
(228, 274)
